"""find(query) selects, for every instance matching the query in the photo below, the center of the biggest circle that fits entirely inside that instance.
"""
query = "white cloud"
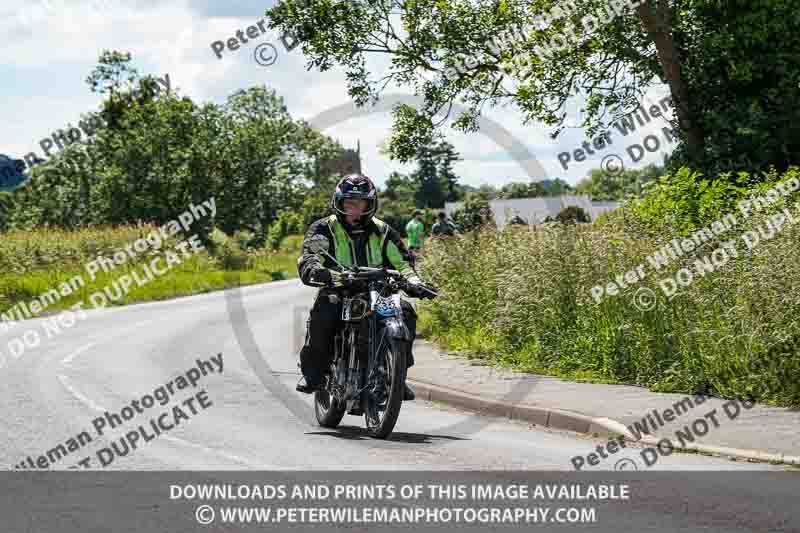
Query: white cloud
(61, 46)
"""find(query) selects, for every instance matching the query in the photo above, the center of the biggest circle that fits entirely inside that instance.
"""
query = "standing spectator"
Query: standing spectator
(443, 226)
(415, 230)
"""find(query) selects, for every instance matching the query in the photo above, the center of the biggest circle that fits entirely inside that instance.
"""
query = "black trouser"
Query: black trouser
(323, 323)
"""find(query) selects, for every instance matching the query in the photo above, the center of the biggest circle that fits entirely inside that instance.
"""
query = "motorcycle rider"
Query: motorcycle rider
(356, 237)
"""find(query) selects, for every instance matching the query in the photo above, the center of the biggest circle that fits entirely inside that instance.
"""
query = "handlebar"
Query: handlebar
(370, 273)
(367, 274)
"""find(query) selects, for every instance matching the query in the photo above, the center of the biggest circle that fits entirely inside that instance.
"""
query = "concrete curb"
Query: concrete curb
(571, 421)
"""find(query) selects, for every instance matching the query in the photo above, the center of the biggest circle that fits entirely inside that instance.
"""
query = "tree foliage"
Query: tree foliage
(603, 185)
(447, 156)
(521, 190)
(572, 214)
(161, 152)
(475, 213)
(731, 67)
(6, 203)
(430, 189)
(397, 200)
(517, 189)
(436, 180)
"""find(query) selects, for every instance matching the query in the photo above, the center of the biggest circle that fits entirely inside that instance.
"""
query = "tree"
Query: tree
(398, 200)
(487, 192)
(572, 214)
(731, 67)
(515, 190)
(556, 187)
(6, 203)
(165, 152)
(430, 192)
(475, 213)
(740, 64)
(111, 76)
(446, 155)
(112, 72)
(603, 185)
(400, 188)
(436, 179)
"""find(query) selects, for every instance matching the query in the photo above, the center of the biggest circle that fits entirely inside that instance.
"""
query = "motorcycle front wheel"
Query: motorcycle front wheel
(329, 411)
(381, 419)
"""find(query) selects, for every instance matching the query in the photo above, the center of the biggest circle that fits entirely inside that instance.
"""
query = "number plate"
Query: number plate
(388, 306)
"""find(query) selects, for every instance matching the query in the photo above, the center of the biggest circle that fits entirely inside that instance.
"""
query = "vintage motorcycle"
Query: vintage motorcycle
(368, 372)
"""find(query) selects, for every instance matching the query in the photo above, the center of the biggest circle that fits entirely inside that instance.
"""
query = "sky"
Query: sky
(51, 46)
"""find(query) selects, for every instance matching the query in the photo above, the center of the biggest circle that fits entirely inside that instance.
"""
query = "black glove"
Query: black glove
(420, 290)
(431, 292)
(322, 275)
(331, 278)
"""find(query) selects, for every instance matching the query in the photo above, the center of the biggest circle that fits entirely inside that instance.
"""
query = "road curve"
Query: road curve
(53, 392)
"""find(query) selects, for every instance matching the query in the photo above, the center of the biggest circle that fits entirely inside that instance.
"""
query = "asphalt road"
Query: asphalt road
(248, 417)
(54, 391)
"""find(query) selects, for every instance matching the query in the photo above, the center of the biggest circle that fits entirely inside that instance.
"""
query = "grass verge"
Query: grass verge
(60, 269)
(524, 299)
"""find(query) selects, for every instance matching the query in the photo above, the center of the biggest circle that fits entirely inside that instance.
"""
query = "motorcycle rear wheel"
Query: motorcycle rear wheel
(378, 426)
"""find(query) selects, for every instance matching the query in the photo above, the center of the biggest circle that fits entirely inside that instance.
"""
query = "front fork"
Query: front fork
(353, 366)
(394, 332)
(356, 379)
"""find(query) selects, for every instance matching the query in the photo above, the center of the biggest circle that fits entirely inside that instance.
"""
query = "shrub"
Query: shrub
(572, 214)
(287, 223)
(227, 251)
(398, 222)
(474, 214)
(687, 200)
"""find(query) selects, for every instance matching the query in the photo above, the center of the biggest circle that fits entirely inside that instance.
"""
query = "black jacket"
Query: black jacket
(377, 245)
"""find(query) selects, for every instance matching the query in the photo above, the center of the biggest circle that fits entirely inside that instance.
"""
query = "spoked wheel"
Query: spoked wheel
(381, 417)
(329, 411)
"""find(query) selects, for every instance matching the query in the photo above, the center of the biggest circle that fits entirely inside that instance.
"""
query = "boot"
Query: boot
(408, 394)
(306, 386)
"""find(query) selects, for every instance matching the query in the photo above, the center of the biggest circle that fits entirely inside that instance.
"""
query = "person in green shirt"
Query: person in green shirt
(415, 230)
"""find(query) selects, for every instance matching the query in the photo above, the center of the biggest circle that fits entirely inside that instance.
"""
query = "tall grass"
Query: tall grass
(33, 262)
(524, 297)
(51, 249)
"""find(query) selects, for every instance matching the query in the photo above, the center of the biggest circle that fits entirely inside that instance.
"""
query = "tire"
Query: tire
(329, 411)
(395, 355)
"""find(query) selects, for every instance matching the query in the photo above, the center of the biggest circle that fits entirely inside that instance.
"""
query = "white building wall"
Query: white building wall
(536, 210)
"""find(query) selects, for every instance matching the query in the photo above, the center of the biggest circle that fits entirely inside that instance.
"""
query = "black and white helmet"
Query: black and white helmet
(358, 187)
